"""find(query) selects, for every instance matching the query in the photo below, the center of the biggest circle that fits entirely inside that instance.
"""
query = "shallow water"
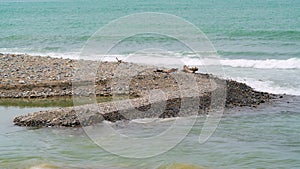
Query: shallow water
(267, 137)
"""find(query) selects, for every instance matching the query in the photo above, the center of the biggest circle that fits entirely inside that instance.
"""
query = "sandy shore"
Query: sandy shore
(24, 76)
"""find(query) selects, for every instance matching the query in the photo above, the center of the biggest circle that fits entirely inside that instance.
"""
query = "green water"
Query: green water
(238, 29)
(267, 137)
(258, 42)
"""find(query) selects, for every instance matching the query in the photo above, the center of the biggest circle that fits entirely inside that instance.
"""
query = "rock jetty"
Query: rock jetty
(149, 89)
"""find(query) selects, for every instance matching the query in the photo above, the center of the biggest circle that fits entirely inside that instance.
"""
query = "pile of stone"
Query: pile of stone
(147, 87)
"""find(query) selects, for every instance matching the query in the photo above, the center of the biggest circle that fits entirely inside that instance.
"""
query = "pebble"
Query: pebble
(46, 77)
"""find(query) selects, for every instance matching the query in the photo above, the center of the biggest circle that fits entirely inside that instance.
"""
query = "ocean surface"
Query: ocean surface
(256, 42)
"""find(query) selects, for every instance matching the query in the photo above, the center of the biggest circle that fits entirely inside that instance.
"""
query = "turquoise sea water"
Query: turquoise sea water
(238, 29)
(258, 43)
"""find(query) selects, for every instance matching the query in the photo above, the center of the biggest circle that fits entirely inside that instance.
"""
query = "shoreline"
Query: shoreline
(25, 76)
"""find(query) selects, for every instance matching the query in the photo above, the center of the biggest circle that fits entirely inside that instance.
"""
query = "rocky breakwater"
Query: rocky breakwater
(151, 91)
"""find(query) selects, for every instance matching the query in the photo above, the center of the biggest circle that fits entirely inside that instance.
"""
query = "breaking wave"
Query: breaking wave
(292, 63)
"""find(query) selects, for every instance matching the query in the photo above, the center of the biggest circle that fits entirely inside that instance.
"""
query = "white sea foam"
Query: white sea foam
(168, 58)
(291, 63)
(65, 55)
(269, 86)
(145, 120)
(153, 120)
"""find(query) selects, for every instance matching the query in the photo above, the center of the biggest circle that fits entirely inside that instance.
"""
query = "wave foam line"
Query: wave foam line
(292, 63)
(268, 86)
